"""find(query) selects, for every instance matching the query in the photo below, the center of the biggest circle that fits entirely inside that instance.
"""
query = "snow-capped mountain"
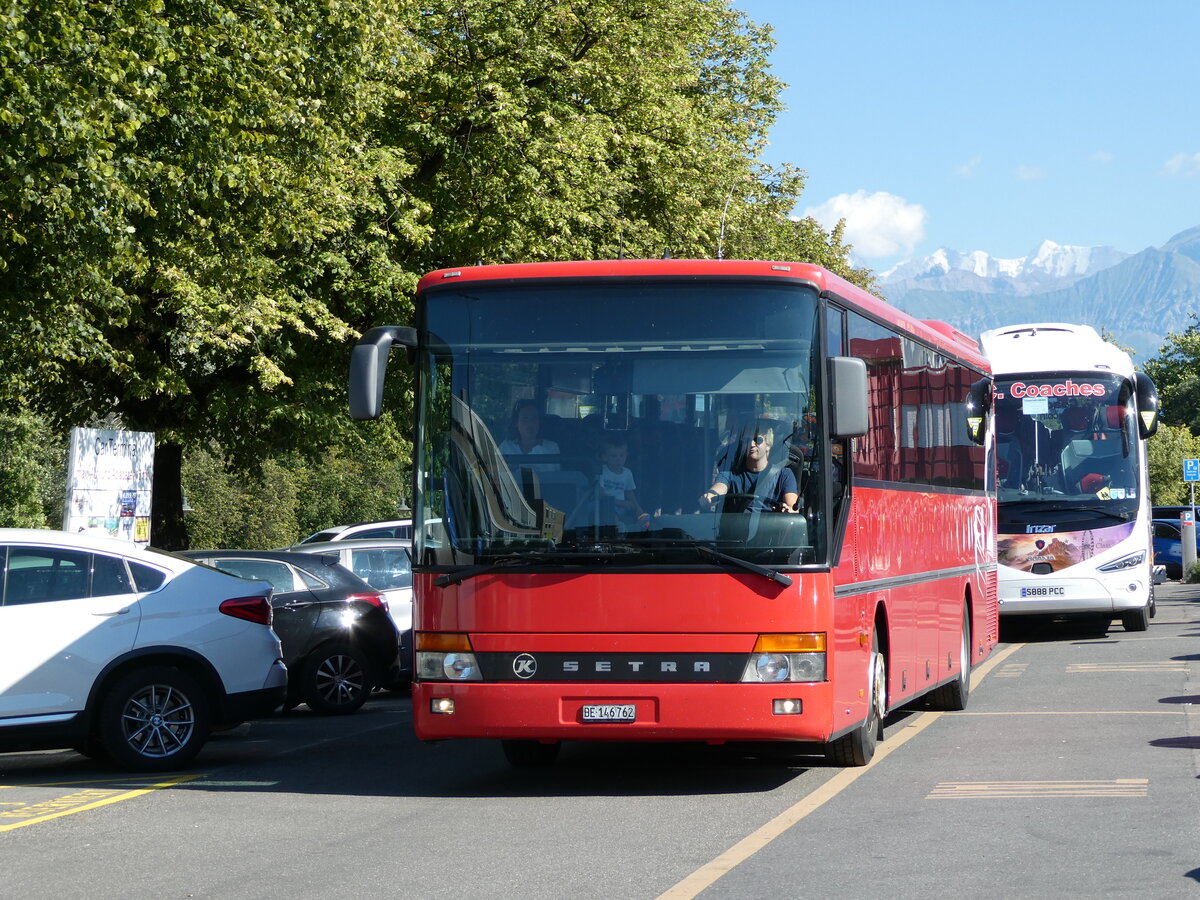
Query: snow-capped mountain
(1138, 298)
(1048, 267)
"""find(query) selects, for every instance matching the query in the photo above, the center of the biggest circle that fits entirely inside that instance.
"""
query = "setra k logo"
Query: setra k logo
(524, 666)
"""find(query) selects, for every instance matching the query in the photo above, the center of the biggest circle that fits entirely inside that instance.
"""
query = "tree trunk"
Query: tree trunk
(167, 528)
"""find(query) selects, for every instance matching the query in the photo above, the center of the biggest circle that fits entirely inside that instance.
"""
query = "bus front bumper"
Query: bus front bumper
(675, 712)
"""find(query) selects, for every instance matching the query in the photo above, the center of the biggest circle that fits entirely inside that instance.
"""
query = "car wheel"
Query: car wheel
(336, 680)
(154, 719)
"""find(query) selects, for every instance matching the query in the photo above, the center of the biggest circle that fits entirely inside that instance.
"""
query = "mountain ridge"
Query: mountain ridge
(1136, 298)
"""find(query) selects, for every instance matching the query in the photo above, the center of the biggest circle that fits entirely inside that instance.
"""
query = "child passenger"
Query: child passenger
(616, 481)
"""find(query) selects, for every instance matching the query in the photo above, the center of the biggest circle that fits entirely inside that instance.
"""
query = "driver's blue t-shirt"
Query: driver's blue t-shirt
(747, 483)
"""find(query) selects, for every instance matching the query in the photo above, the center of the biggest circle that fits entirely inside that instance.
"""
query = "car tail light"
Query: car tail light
(252, 609)
(374, 599)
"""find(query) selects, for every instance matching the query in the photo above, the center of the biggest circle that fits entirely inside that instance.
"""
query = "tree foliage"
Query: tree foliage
(1176, 374)
(1165, 453)
(202, 203)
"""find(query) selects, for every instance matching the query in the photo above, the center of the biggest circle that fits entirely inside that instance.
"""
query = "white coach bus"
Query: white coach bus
(1073, 530)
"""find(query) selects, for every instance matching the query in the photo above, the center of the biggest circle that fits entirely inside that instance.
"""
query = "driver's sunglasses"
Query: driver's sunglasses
(759, 439)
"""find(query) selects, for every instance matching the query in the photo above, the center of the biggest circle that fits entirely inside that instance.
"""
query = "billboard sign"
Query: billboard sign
(109, 474)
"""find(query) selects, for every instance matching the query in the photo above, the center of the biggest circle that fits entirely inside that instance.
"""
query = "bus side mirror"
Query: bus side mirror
(978, 402)
(368, 367)
(1146, 395)
(848, 391)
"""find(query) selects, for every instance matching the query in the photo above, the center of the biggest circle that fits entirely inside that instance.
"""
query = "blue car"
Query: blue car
(1168, 546)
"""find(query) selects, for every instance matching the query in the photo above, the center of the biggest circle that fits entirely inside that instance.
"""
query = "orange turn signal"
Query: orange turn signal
(789, 643)
(443, 642)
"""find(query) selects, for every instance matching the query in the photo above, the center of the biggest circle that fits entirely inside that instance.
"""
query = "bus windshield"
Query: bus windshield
(1067, 441)
(573, 423)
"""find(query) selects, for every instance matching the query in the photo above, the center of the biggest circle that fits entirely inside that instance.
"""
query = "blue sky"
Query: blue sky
(990, 126)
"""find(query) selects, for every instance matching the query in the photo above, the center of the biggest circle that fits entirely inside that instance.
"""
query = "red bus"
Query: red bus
(681, 500)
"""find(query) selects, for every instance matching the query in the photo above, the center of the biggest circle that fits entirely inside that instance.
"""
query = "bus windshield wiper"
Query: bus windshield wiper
(517, 560)
(1123, 517)
(778, 577)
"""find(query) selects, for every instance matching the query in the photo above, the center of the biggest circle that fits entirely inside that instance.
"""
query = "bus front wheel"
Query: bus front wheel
(1136, 619)
(858, 747)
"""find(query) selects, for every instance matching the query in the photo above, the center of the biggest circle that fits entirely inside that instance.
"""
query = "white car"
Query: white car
(127, 653)
(385, 565)
(401, 529)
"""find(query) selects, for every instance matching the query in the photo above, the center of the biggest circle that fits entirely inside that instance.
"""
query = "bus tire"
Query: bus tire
(1136, 619)
(858, 747)
(528, 754)
(954, 696)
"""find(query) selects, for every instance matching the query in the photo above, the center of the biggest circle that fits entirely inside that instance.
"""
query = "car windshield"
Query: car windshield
(1066, 441)
(559, 418)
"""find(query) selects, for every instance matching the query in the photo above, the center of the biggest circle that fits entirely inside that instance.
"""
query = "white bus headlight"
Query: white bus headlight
(1125, 562)
(786, 657)
(445, 657)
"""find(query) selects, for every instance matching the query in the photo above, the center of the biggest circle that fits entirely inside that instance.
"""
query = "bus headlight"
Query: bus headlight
(445, 657)
(772, 668)
(1125, 562)
(786, 657)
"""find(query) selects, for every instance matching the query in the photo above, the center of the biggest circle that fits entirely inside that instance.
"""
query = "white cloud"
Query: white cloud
(1185, 165)
(1102, 156)
(878, 225)
(1030, 173)
(967, 169)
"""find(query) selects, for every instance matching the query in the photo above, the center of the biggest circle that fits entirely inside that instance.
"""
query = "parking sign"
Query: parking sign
(1191, 470)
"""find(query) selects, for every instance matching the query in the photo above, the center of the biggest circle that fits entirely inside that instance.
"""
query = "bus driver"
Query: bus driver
(751, 475)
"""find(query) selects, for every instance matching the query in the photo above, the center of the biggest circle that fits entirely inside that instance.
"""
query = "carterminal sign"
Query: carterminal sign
(1191, 470)
(108, 483)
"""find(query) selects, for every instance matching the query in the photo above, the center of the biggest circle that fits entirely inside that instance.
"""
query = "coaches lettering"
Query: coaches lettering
(1067, 388)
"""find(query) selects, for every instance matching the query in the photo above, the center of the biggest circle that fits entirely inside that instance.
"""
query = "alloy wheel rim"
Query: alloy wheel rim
(158, 721)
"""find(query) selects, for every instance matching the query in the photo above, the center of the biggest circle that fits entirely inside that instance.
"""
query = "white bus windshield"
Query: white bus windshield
(1067, 440)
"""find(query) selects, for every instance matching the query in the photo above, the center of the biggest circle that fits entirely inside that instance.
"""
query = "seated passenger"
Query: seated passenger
(525, 437)
(753, 478)
(616, 481)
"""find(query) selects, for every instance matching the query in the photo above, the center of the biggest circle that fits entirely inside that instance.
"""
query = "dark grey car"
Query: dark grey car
(338, 640)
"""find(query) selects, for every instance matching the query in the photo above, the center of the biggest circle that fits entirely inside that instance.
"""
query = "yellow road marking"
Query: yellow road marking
(991, 790)
(1080, 712)
(1163, 666)
(708, 874)
(80, 801)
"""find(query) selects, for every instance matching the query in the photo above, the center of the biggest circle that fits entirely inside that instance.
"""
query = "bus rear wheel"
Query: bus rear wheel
(858, 747)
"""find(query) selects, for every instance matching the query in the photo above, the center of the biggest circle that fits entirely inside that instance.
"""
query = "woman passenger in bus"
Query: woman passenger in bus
(753, 478)
(525, 437)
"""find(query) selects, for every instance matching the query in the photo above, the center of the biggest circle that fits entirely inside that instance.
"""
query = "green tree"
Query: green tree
(21, 476)
(1165, 453)
(598, 129)
(193, 212)
(1176, 374)
(204, 202)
